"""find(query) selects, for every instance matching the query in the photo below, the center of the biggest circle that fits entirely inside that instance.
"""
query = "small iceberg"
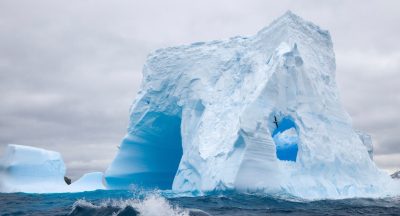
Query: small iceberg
(34, 170)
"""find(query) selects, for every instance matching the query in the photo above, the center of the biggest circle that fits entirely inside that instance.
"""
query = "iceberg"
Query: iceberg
(207, 118)
(34, 170)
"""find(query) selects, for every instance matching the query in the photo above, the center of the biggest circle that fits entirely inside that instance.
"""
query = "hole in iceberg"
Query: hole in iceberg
(286, 138)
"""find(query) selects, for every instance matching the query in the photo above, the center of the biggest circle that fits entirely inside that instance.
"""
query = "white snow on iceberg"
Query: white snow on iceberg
(34, 170)
(205, 116)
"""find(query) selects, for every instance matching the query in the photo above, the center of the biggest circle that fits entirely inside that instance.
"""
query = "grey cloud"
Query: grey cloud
(70, 70)
(390, 162)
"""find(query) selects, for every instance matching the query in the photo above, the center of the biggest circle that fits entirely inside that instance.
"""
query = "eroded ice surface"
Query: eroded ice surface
(34, 170)
(367, 141)
(203, 119)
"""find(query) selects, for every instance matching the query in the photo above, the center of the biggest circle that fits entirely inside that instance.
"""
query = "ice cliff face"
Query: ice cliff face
(367, 141)
(248, 113)
(34, 170)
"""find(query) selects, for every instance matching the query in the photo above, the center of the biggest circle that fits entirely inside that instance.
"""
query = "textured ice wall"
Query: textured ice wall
(367, 141)
(221, 98)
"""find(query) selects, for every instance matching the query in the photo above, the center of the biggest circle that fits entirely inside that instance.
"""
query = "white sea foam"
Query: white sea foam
(152, 205)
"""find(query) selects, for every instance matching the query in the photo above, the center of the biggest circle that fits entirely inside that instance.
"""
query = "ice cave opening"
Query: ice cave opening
(163, 152)
(151, 154)
(286, 139)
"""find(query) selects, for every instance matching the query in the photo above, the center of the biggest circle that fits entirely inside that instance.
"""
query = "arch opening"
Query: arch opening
(150, 155)
(286, 138)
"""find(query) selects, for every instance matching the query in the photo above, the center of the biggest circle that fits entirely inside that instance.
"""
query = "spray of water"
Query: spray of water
(151, 205)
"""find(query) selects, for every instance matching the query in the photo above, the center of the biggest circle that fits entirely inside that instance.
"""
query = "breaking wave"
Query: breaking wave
(160, 203)
(151, 205)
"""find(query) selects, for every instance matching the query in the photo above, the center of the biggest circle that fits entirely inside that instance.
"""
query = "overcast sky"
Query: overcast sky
(69, 70)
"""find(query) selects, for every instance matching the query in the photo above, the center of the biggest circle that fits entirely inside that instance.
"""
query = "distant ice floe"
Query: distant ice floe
(34, 170)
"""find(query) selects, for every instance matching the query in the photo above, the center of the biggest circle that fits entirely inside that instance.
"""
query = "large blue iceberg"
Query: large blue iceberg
(252, 114)
(259, 113)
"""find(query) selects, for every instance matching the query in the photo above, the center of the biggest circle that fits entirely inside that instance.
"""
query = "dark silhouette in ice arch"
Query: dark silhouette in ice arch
(285, 150)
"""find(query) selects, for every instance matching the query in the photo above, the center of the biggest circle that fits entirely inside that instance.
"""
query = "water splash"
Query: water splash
(152, 205)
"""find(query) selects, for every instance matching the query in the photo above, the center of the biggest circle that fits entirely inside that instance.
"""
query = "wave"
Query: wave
(152, 205)
(141, 202)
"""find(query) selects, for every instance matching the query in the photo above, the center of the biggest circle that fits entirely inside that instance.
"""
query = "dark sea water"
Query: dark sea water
(101, 203)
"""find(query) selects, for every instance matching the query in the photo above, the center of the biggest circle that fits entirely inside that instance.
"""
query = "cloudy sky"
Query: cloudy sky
(69, 70)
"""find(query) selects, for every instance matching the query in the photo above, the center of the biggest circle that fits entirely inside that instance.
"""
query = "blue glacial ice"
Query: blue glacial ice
(35, 170)
(203, 120)
(158, 150)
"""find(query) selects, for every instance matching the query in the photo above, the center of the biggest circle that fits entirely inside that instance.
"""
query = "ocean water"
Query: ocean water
(164, 203)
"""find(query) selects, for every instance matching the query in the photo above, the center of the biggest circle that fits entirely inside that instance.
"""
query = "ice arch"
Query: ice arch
(150, 155)
(287, 69)
(286, 139)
